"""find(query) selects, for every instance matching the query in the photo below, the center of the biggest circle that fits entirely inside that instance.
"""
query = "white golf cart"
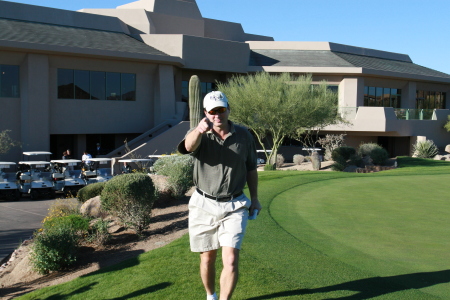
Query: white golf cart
(136, 165)
(66, 176)
(8, 186)
(98, 170)
(35, 176)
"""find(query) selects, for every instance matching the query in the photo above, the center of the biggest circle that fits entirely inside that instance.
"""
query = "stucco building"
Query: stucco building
(73, 79)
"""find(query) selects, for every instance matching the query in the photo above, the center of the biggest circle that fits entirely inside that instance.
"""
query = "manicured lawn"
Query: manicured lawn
(321, 235)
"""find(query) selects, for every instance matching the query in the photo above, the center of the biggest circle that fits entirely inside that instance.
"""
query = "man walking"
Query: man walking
(225, 160)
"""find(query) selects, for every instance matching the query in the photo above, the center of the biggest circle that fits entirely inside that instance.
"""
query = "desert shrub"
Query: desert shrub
(99, 234)
(331, 142)
(379, 156)
(280, 160)
(54, 250)
(61, 208)
(90, 191)
(179, 169)
(298, 159)
(343, 152)
(269, 167)
(343, 157)
(130, 197)
(75, 222)
(425, 149)
(366, 149)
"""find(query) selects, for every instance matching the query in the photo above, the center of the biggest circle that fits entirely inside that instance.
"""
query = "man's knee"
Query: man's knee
(230, 257)
(208, 258)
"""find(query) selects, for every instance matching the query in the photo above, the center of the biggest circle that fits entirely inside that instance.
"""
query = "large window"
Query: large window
(430, 100)
(382, 97)
(9, 81)
(206, 87)
(95, 85)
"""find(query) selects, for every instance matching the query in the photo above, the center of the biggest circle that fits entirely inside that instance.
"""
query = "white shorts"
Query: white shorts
(214, 224)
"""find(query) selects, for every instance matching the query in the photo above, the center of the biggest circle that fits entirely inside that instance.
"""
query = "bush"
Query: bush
(179, 169)
(269, 167)
(298, 159)
(331, 142)
(344, 152)
(62, 207)
(130, 197)
(280, 160)
(54, 250)
(99, 234)
(379, 156)
(90, 191)
(74, 222)
(343, 157)
(366, 149)
(425, 149)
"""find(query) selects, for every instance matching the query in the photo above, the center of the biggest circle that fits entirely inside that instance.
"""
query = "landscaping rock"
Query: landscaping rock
(315, 160)
(92, 207)
(439, 157)
(447, 148)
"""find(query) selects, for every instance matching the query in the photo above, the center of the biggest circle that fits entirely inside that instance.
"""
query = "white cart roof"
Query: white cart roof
(135, 160)
(65, 161)
(100, 159)
(37, 153)
(2, 163)
(34, 163)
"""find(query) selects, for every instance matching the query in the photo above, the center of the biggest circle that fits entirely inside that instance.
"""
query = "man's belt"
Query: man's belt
(219, 199)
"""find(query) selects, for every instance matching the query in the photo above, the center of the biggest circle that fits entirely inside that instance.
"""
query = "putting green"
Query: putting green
(387, 225)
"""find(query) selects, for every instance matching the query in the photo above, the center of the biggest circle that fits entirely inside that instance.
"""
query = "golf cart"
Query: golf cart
(135, 165)
(96, 171)
(8, 185)
(35, 176)
(66, 176)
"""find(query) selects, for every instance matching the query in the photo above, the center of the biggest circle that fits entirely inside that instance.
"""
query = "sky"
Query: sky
(419, 28)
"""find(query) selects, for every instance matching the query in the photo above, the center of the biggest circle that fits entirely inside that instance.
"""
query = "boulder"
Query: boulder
(447, 148)
(439, 157)
(92, 207)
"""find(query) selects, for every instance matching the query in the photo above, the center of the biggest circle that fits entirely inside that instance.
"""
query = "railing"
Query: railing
(414, 114)
(349, 113)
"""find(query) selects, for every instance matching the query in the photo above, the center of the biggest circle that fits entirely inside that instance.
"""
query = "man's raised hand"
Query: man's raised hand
(204, 125)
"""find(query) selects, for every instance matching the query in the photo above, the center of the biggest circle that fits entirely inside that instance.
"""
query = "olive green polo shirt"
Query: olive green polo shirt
(221, 166)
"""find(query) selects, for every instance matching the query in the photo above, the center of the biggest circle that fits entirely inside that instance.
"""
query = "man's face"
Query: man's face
(218, 116)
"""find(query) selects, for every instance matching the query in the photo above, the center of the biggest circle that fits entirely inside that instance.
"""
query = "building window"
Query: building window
(9, 81)
(95, 85)
(382, 97)
(430, 100)
(205, 87)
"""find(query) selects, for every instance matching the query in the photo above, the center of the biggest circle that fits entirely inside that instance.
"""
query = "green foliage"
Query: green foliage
(6, 142)
(75, 222)
(195, 101)
(366, 149)
(54, 250)
(269, 167)
(343, 157)
(90, 191)
(130, 197)
(425, 149)
(286, 106)
(99, 233)
(179, 169)
(447, 125)
(331, 142)
(379, 156)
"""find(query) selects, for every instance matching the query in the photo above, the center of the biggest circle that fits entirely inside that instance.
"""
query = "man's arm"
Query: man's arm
(194, 137)
(252, 183)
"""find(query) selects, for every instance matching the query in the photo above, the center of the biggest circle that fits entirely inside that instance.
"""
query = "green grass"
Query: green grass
(321, 235)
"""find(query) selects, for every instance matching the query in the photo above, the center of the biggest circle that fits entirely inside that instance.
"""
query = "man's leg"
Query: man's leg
(208, 270)
(229, 276)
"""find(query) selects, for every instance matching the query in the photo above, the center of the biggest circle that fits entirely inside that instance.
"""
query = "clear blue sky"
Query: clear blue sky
(419, 28)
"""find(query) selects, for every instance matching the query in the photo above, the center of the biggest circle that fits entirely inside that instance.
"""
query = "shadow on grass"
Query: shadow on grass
(411, 162)
(145, 291)
(368, 288)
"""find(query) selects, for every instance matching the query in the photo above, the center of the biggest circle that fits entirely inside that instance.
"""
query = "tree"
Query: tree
(279, 106)
(6, 142)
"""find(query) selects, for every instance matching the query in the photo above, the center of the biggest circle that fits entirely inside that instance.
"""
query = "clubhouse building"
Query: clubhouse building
(74, 79)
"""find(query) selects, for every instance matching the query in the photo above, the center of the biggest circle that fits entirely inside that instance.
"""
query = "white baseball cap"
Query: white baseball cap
(215, 99)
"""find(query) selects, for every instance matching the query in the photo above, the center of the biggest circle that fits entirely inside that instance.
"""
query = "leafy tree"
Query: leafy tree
(6, 142)
(279, 106)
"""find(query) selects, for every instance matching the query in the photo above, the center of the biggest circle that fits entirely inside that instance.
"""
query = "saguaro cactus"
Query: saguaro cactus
(195, 101)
